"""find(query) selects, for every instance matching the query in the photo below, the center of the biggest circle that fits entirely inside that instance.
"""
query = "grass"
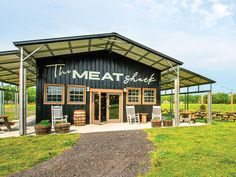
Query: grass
(10, 110)
(19, 153)
(194, 151)
(195, 107)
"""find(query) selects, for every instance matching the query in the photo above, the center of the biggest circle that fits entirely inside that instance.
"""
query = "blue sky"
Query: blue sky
(201, 33)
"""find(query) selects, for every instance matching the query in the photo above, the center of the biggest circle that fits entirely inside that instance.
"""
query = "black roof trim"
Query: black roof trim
(94, 36)
(9, 52)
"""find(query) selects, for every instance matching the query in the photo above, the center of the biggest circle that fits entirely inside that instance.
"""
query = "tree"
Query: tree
(32, 94)
(219, 98)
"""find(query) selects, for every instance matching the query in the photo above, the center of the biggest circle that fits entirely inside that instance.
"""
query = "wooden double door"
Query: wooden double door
(106, 106)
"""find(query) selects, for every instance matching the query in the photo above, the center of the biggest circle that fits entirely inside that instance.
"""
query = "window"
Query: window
(149, 96)
(53, 94)
(133, 96)
(76, 94)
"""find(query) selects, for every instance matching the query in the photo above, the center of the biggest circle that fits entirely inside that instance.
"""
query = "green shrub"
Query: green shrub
(156, 118)
(203, 108)
(169, 118)
(44, 122)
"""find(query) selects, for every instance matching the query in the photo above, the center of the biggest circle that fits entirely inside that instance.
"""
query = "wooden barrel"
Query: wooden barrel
(79, 117)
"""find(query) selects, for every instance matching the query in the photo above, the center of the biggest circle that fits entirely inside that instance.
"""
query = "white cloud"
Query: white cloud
(194, 5)
(217, 11)
(211, 53)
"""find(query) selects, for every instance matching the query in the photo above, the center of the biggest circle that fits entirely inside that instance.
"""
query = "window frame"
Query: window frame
(139, 97)
(155, 96)
(68, 95)
(56, 102)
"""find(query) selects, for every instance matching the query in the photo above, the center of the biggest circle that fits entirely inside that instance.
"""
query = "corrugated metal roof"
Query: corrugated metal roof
(9, 68)
(187, 78)
(107, 41)
(9, 60)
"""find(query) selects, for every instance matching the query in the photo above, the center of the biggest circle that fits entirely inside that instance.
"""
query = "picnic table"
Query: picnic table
(6, 122)
(229, 115)
(217, 115)
(187, 116)
(200, 114)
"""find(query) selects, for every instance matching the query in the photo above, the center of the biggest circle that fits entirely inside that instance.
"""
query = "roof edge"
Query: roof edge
(212, 81)
(9, 52)
(93, 36)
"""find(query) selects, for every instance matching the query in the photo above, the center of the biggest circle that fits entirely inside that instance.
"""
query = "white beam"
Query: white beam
(22, 93)
(29, 55)
(176, 93)
(16, 106)
(209, 118)
(232, 101)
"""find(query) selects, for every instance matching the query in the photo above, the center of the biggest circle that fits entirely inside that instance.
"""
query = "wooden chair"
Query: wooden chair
(156, 112)
(57, 115)
(131, 116)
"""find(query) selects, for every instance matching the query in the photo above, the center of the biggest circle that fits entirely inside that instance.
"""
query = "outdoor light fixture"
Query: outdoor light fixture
(125, 90)
(87, 89)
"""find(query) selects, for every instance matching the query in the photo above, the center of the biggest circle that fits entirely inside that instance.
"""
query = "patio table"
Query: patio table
(6, 122)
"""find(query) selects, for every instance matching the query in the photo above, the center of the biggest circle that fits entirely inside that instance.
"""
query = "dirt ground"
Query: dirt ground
(121, 153)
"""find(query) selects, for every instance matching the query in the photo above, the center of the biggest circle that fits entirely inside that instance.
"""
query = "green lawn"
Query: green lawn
(195, 107)
(10, 110)
(194, 151)
(20, 153)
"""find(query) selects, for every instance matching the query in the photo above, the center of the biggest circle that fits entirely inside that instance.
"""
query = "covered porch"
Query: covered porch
(89, 128)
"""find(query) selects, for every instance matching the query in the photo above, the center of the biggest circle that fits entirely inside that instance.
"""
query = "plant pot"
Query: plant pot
(42, 129)
(168, 123)
(156, 123)
(62, 127)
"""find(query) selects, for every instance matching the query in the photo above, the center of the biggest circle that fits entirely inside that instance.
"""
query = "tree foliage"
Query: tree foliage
(9, 96)
(217, 98)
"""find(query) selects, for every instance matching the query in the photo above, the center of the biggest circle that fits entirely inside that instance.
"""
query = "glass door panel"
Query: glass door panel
(97, 111)
(114, 107)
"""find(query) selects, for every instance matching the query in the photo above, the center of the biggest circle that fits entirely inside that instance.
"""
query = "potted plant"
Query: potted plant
(202, 108)
(62, 127)
(42, 128)
(168, 122)
(156, 122)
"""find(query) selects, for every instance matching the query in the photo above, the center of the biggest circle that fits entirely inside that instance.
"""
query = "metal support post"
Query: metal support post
(185, 102)
(16, 106)
(22, 94)
(188, 98)
(209, 119)
(1, 104)
(177, 97)
(26, 103)
(232, 101)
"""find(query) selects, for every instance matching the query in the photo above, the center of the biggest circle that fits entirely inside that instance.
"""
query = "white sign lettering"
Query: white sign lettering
(96, 75)
(76, 74)
(107, 76)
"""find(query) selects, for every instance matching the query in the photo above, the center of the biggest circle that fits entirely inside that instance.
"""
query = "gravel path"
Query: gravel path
(121, 153)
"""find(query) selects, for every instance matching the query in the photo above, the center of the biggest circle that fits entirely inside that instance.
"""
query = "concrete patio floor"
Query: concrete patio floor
(90, 128)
